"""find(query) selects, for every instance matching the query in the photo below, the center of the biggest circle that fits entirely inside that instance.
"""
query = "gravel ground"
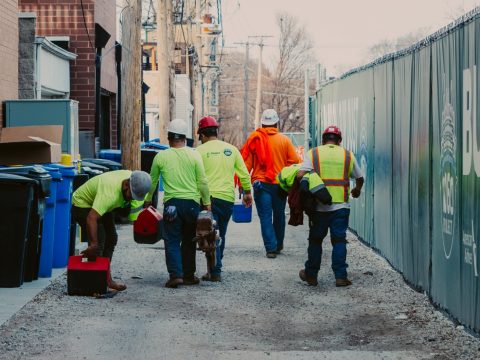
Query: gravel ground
(261, 310)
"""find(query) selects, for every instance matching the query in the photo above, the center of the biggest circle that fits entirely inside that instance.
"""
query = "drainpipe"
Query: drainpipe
(118, 60)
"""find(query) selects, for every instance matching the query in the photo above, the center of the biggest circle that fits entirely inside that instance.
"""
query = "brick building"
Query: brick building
(64, 23)
(8, 52)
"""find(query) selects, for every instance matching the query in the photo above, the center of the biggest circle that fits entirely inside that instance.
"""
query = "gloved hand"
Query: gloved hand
(324, 196)
(170, 213)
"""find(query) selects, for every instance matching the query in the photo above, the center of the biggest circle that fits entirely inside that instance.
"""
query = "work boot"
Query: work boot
(115, 285)
(310, 280)
(211, 277)
(191, 280)
(342, 282)
(173, 283)
(271, 255)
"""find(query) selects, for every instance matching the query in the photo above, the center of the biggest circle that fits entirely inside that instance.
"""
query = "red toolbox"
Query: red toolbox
(86, 277)
(147, 229)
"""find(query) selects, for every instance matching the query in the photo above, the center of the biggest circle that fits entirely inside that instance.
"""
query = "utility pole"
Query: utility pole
(197, 76)
(131, 85)
(259, 80)
(245, 93)
(163, 69)
(307, 111)
(259, 87)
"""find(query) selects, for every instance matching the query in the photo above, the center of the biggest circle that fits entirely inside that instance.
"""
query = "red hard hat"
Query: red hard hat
(206, 122)
(332, 129)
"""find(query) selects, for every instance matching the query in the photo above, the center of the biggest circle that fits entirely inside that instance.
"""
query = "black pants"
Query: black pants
(106, 232)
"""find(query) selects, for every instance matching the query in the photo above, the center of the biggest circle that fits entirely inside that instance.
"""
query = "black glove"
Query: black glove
(323, 196)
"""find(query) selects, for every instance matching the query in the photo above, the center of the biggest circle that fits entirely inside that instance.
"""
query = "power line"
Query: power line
(85, 24)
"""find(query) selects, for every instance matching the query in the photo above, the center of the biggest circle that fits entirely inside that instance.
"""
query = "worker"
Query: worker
(185, 189)
(266, 152)
(93, 204)
(302, 192)
(336, 166)
(222, 161)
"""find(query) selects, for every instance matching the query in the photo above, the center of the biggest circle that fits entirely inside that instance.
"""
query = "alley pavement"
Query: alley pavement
(261, 310)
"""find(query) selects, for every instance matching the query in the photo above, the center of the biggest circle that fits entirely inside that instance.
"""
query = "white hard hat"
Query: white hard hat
(177, 126)
(269, 117)
(140, 183)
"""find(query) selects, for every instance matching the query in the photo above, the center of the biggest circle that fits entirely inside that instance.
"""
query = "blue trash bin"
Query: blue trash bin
(61, 244)
(111, 154)
(48, 238)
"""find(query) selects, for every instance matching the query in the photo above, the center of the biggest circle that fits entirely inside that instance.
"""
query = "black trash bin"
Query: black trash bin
(110, 164)
(90, 172)
(16, 193)
(35, 225)
(93, 166)
(78, 181)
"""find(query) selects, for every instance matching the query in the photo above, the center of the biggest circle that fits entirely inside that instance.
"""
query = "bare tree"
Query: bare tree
(283, 87)
(387, 46)
(295, 54)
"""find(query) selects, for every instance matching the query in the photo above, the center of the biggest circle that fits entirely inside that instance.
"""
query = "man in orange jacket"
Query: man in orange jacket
(266, 152)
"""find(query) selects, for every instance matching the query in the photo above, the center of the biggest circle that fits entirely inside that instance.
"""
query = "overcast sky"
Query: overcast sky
(342, 30)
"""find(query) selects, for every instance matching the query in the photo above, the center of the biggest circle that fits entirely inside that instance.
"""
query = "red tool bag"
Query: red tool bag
(86, 277)
(147, 229)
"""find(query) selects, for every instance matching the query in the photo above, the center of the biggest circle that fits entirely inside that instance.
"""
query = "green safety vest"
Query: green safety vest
(334, 165)
(287, 176)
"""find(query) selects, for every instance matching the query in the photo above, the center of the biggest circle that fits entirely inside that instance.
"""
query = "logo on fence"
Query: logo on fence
(448, 174)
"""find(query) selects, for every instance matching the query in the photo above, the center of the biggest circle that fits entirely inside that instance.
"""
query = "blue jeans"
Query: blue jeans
(222, 211)
(270, 204)
(178, 235)
(320, 222)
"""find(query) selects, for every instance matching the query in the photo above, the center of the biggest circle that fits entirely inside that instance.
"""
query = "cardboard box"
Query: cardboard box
(31, 145)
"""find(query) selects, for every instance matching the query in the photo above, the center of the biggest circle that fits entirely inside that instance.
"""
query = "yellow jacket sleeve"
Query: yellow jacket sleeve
(241, 171)
(155, 175)
(202, 181)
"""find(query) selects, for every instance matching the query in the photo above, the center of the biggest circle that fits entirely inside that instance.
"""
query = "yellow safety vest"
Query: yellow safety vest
(334, 165)
(135, 209)
(287, 176)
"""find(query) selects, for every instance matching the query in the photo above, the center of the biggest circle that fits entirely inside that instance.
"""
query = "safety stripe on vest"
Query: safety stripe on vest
(335, 182)
(137, 209)
(346, 167)
(316, 188)
(282, 180)
(316, 160)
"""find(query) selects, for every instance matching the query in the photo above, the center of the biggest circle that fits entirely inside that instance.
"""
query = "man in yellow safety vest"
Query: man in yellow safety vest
(336, 166)
(186, 187)
(222, 161)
